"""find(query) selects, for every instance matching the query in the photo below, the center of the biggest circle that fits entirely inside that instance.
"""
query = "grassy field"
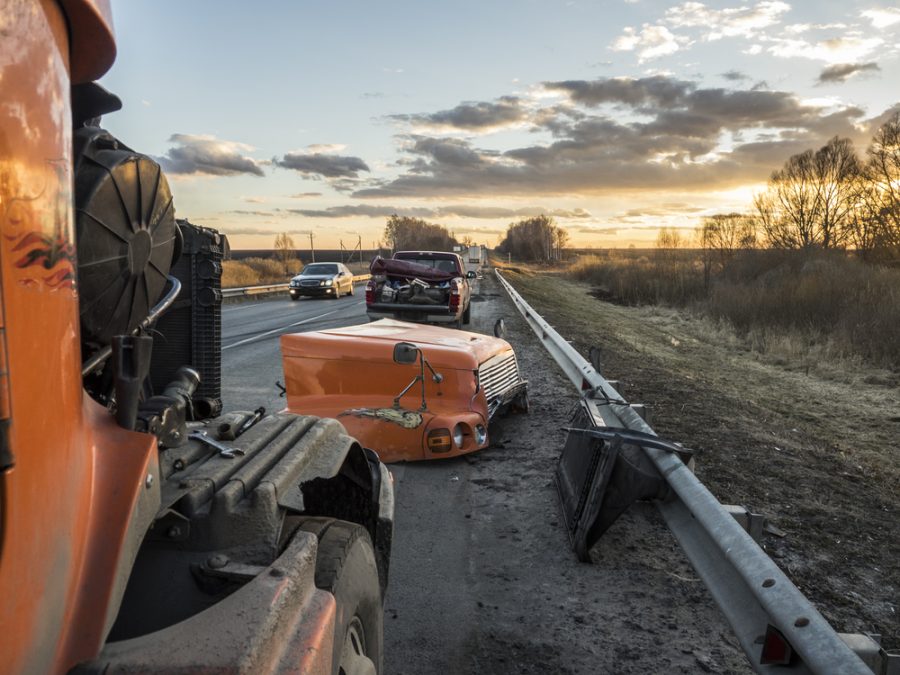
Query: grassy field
(810, 443)
(800, 307)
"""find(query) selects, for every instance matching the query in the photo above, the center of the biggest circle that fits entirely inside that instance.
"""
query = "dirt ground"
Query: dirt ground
(813, 449)
(520, 601)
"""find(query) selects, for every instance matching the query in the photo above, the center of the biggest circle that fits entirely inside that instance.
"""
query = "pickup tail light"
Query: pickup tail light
(439, 440)
(370, 292)
(454, 298)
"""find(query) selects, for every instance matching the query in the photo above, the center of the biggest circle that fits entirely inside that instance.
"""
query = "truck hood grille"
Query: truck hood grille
(498, 375)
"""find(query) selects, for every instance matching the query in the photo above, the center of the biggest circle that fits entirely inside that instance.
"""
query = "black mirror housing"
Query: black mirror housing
(405, 353)
(470, 274)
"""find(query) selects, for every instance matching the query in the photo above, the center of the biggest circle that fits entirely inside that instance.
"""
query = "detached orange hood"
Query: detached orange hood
(374, 342)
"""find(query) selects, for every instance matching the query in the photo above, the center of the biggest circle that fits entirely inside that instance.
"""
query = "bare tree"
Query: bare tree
(668, 238)
(721, 236)
(809, 202)
(537, 238)
(881, 201)
(284, 249)
(406, 233)
(836, 170)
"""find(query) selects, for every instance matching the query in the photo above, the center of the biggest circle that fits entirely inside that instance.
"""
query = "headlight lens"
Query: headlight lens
(458, 435)
(480, 434)
(328, 282)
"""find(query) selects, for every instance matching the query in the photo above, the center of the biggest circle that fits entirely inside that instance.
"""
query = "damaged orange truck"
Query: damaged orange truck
(141, 530)
(412, 391)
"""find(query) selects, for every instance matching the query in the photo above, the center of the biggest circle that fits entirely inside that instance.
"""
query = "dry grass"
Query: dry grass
(261, 271)
(797, 307)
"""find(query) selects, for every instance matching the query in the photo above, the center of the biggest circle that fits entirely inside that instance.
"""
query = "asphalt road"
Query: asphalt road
(482, 576)
(251, 355)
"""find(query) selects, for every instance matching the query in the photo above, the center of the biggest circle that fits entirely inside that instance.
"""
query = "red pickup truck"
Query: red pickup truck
(420, 286)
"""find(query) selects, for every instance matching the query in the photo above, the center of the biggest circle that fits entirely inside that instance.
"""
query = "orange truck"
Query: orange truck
(412, 391)
(139, 530)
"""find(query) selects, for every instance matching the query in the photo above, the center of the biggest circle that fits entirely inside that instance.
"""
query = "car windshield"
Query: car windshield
(320, 268)
(444, 265)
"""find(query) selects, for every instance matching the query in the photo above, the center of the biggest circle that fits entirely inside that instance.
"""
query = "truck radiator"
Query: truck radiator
(190, 333)
(497, 376)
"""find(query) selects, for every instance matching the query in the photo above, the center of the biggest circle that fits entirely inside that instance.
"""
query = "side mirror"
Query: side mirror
(405, 353)
(470, 274)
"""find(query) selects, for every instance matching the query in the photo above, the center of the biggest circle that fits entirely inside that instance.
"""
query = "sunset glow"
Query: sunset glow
(615, 118)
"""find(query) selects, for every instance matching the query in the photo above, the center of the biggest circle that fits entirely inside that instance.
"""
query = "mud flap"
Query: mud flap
(601, 472)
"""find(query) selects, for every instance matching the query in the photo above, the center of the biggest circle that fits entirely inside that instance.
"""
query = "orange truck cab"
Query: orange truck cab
(140, 531)
(409, 391)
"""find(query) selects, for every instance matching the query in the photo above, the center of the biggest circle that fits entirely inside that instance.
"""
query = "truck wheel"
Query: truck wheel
(346, 568)
(467, 315)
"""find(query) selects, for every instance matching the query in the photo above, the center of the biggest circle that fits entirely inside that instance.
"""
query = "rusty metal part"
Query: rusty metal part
(224, 450)
(276, 621)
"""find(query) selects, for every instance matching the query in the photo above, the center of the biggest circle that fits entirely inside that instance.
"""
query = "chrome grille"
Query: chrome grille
(497, 375)
(314, 282)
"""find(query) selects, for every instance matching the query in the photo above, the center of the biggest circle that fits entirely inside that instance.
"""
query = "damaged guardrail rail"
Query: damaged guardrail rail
(612, 458)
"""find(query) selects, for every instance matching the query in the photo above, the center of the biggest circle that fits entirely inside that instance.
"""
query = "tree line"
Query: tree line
(534, 239)
(830, 198)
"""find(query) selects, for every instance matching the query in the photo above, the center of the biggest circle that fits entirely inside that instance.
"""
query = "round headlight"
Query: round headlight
(458, 435)
(480, 434)
(328, 282)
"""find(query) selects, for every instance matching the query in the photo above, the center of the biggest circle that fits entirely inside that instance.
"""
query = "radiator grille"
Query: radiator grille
(498, 375)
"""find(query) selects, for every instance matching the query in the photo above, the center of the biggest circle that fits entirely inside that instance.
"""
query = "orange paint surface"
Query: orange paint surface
(349, 373)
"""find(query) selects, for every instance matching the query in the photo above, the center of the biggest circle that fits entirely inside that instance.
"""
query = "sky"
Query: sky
(616, 117)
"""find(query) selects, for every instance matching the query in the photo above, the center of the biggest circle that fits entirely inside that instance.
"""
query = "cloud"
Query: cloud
(652, 42)
(322, 164)
(882, 17)
(366, 210)
(243, 212)
(254, 200)
(451, 211)
(235, 230)
(842, 71)
(735, 76)
(720, 23)
(472, 117)
(657, 90)
(208, 155)
(661, 132)
(306, 195)
(844, 49)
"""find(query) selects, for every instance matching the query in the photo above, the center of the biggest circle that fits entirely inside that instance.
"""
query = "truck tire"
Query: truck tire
(467, 315)
(346, 568)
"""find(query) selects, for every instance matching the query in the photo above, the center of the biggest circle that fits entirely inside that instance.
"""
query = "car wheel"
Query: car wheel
(337, 291)
(295, 297)
(467, 315)
(346, 568)
(351, 288)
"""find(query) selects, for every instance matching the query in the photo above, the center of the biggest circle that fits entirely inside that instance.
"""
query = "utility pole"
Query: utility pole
(312, 249)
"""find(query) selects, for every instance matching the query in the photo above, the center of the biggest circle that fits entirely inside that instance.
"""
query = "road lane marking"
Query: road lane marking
(291, 325)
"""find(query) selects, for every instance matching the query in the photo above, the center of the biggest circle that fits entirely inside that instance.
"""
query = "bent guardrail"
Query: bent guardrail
(271, 288)
(752, 592)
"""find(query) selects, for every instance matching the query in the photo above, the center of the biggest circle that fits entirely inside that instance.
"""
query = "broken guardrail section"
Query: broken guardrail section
(612, 457)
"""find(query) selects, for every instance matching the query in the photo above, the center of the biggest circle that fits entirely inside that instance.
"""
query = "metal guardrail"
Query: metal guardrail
(749, 588)
(271, 288)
